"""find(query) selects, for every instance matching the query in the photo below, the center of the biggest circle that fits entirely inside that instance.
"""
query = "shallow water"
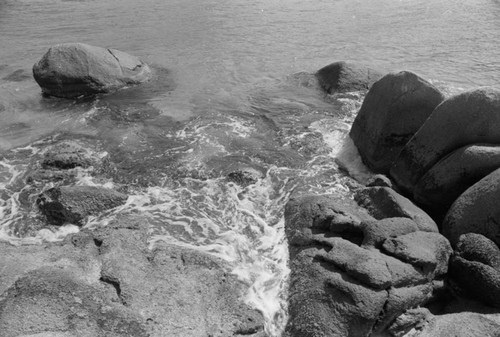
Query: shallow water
(224, 97)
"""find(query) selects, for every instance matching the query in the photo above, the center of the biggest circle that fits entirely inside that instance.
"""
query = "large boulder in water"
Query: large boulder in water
(468, 118)
(476, 211)
(454, 174)
(74, 203)
(76, 69)
(346, 76)
(394, 109)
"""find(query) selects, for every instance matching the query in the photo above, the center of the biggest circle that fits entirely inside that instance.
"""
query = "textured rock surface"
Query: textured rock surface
(383, 202)
(68, 155)
(468, 118)
(74, 203)
(476, 211)
(340, 283)
(108, 283)
(392, 112)
(76, 69)
(346, 76)
(453, 174)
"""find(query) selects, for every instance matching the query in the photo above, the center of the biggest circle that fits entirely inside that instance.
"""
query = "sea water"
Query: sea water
(226, 95)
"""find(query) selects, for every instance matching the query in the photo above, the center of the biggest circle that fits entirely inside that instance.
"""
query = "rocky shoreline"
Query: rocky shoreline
(413, 253)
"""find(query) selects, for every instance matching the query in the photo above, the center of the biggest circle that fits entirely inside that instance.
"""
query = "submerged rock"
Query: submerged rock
(346, 76)
(71, 70)
(469, 118)
(245, 176)
(68, 155)
(74, 203)
(394, 109)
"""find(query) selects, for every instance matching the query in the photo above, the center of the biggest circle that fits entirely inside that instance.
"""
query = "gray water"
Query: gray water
(225, 97)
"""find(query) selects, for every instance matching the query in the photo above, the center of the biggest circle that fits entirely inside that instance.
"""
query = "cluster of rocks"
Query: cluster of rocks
(378, 265)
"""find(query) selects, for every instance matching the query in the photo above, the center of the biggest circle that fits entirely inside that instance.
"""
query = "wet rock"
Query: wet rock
(68, 155)
(452, 175)
(429, 251)
(106, 282)
(392, 112)
(76, 69)
(309, 214)
(17, 76)
(245, 177)
(72, 204)
(476, 211)
(376, 232)
(345, 76)
(379, 180)
(383, 202)
(469, 118)
(44, 176)
(305, 79)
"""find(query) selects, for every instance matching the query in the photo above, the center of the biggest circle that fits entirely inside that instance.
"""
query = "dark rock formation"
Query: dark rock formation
(476, 211)
(68, 155)
(452, 175)
(108, 283)
(75, 69)
(245, 176)
(383, 202)
(341, 284)
(394, 109)
(346, 76)
(475, 269)
(469, 118)
(74, 203)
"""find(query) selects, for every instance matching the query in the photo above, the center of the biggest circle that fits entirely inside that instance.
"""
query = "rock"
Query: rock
(245, 177)
(476, 247)
(76, 69)
(452, 175)
(383, 202)
(392, 112)
(376, 232)
(469, 118)
(339, 288)
(379, 180)
(346, 76)
(74, 203)
(421, 323)
(427, 250)
(68, 155)
(106, 282)
(17, 76)
(309, 213)
(476, 211)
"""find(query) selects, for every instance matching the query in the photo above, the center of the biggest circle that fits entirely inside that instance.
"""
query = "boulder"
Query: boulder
(346, 76)
(68, 155)
(392, 112)
(379, 180)
(383, 202)
(376, 232)
(71, 70)
(427, 250)
(469, 118)
(72, 204)
(451, 176)
(476, 247)
(476, 211)
(342, 286)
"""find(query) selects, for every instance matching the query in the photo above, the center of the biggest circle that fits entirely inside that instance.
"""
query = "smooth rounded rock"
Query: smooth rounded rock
(71, 70)
(393, 110)
(476, 211)
(453, 174)
(468, 118)
(346, 76)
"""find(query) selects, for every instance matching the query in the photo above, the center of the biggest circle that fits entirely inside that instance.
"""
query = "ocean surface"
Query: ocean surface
(228, 94)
